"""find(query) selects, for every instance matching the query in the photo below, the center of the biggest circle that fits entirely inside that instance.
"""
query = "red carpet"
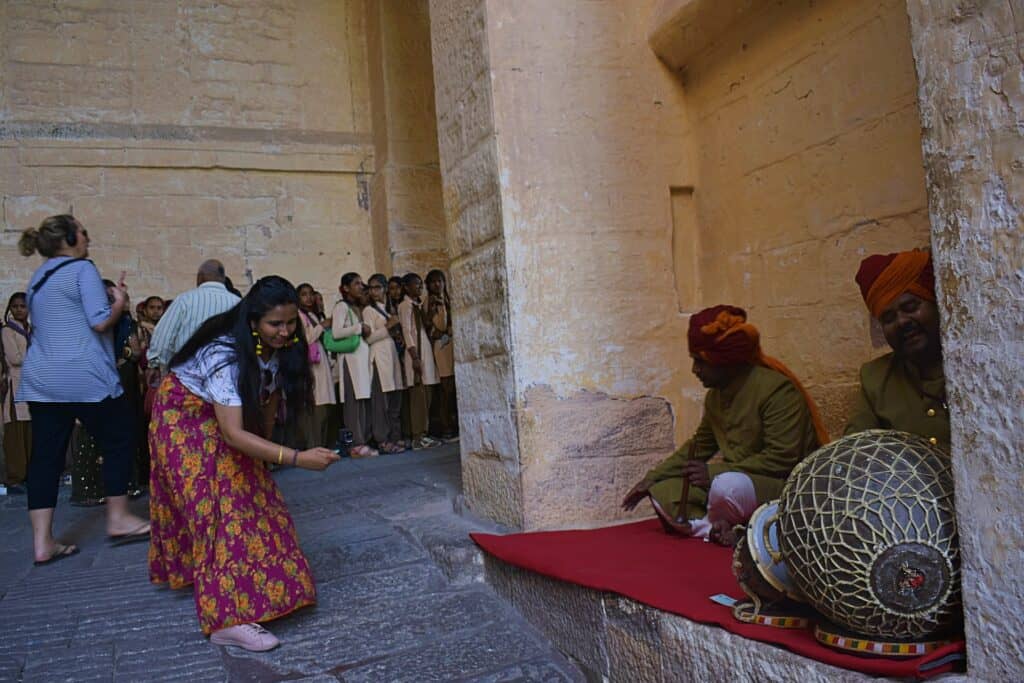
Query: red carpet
(677, 575)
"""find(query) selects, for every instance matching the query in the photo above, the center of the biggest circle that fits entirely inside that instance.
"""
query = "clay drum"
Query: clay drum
(867, 530)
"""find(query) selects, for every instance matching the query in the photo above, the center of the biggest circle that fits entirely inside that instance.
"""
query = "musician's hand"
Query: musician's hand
(722, 533)
(635, 495)
(696, 471)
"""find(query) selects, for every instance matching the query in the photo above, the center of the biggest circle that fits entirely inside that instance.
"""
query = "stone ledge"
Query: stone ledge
(187, 147)
(612, 638)
(681, 29)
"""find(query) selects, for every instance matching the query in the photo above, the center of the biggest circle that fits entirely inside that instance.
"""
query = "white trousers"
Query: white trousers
(731, 499)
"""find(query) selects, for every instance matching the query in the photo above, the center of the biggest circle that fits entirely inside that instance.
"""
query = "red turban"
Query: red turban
(884, 277)
(721, 335)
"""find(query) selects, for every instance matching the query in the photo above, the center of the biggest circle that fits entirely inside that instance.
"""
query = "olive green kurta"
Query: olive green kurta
(759, 423)
(893, 396)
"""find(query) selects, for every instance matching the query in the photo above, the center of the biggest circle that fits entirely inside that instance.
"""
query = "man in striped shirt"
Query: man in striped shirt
(188, 312)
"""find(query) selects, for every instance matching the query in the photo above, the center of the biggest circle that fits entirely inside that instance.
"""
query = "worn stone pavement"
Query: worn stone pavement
(401, 596)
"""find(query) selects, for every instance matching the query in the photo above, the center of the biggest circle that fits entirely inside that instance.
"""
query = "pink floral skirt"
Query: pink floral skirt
(218, 520)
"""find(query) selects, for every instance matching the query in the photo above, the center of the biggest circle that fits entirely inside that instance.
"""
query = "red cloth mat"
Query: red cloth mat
(642, 562)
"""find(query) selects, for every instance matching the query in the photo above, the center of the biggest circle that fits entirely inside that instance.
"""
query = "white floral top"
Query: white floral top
(212, 373)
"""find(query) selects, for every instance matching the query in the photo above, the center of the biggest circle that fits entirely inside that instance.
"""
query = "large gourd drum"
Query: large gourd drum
(868, 533)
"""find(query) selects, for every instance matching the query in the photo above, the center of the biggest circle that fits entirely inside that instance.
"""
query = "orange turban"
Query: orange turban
(884, 277)
(721, 336)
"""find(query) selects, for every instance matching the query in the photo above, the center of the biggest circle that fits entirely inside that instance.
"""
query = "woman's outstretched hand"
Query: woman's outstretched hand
(317, 458)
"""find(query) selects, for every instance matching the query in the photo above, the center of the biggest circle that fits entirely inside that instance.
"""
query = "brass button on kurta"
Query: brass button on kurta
(933, 441)
(931, 412)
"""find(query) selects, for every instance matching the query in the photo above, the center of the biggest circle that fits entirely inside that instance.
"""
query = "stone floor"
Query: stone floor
(401, 596)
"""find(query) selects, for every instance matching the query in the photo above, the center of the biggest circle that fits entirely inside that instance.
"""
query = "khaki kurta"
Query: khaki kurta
(759, 424)
(444, 354)
(409, 324)
(15, 347)
(893, 396)
(323, 383)
(346, 322)
(383, 353)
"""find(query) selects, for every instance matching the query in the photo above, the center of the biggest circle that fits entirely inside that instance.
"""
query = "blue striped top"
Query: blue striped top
(68, 361)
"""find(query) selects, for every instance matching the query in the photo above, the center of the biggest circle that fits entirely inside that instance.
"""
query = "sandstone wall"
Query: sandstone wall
(408, 213)
(970, 67)
(808, 158)
(631, 195)
(467, 140)
(591, 137)
(179, 130)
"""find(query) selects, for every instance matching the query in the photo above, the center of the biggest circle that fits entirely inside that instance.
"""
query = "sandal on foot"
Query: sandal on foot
(140, 534)
(60, 551)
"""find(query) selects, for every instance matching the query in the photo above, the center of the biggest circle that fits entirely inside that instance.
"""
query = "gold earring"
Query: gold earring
(259, 345)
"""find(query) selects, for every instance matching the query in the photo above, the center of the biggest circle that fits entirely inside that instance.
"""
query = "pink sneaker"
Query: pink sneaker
(252, 637)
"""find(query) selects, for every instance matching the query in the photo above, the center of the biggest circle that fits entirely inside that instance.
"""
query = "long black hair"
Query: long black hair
(10, 302)
(294, 376)
(391, 306)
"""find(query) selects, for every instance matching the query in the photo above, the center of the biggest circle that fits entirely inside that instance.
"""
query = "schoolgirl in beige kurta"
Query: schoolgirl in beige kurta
(323, 383)
(346, 322)
(428, 371)
(383, 354)
(17, 421)
(15, 347)
(444, 353)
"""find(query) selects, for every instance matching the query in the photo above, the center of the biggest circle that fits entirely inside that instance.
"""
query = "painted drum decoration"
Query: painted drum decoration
(868, 533)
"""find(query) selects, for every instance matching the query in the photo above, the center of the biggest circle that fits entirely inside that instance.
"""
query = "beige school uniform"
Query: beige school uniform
(323, 382)
(346, 322)
(428, 372)
(444, 354)
(383, 354)
(17, 440)
(15, 348)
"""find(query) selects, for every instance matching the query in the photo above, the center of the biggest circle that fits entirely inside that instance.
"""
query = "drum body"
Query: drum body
(868, 533)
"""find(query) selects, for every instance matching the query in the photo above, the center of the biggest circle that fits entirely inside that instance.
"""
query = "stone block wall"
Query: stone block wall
(630, 195)
(971, 74)
(408, 214)
(591, 137)
(181, 130)
(467, 141)
(808, 159)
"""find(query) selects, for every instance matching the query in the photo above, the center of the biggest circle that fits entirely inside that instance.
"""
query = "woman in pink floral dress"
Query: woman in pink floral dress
(218, 519)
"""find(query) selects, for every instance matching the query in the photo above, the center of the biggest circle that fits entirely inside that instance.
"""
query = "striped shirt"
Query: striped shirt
(68, 361)
(186, 314)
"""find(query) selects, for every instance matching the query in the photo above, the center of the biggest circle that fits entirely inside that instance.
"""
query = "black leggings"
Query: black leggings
(110, 422)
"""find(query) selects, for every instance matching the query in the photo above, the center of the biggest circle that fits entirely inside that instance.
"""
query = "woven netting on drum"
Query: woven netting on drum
(868, 532)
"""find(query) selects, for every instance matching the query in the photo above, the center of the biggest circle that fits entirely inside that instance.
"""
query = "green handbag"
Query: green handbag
(343, 345)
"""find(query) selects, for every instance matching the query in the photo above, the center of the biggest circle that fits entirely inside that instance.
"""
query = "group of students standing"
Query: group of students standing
(385, 355)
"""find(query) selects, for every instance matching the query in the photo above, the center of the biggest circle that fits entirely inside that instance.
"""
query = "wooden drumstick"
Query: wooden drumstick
(685, 492)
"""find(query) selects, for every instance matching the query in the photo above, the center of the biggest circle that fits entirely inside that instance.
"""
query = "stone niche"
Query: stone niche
(609, 170)
(806, 135)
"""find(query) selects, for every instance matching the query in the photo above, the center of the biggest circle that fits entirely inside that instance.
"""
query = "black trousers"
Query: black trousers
(110, 422)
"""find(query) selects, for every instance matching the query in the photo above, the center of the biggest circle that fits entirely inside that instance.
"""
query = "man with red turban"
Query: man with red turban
(905, 389)
(757, 417)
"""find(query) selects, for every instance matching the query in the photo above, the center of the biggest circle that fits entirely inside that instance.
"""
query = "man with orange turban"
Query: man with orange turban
(757, 418)
(905, 389)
